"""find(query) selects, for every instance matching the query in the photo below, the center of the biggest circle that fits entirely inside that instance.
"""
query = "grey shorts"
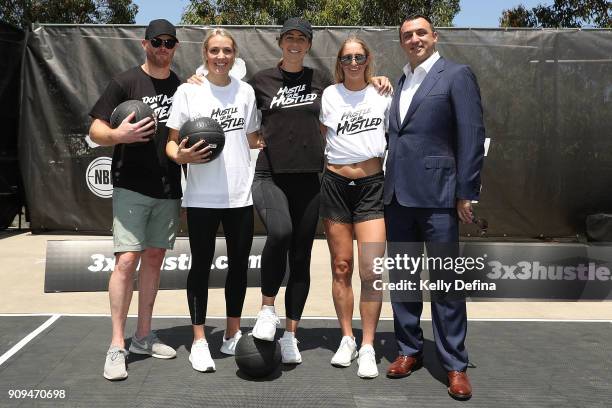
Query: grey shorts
(141, 222)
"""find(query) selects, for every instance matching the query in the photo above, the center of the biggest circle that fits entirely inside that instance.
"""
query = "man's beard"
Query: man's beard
(159, 61)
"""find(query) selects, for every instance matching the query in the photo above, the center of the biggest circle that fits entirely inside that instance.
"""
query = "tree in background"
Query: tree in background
(393, 12)
(117, 11)
(318, 12)
(518, 17)
(563, 13)
(20, 13)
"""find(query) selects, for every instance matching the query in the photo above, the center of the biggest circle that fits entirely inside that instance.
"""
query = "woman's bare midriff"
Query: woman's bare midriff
(357, 170)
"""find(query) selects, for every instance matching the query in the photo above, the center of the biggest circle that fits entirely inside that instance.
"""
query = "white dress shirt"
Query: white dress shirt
(413, 81)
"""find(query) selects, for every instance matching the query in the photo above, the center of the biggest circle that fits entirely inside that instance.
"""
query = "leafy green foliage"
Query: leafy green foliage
(318, 12)
(563, 13)
(22, 12)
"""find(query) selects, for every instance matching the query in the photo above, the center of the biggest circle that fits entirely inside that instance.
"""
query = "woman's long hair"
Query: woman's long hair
(339, 73)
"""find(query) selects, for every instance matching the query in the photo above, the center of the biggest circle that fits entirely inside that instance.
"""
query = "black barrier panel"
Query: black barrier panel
(12, 42)
(547, 98)
(542, 270)
(482, 271)
(411, 272)
(85, 265)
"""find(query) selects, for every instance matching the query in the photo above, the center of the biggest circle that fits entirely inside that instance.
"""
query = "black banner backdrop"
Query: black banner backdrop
(547, 97)
(12, 42)
(86, 265)
(535, 271)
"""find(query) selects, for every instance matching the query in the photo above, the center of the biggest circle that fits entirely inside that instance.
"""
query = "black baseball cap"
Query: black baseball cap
(160, 27)
(296, 23)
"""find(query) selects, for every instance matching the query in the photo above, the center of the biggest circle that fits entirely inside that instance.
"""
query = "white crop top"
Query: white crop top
(356, 123)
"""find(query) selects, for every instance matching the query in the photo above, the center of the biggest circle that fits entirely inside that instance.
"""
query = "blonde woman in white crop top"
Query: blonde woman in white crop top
(354, 119)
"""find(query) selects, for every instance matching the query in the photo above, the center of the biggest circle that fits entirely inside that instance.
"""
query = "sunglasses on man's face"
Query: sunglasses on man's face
(169, 43)
(360, 59)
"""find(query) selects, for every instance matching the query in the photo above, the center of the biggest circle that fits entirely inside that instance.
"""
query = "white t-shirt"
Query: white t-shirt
(356, 123)
(226, 181)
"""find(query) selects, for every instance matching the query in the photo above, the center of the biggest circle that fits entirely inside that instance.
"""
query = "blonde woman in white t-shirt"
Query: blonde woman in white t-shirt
(353, 118)
(217, 191)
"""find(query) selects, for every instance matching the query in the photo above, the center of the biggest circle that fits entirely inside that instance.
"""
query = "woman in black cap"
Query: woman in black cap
(286, 184)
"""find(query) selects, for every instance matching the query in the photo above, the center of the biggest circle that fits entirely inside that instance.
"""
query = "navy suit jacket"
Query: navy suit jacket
(436, 151)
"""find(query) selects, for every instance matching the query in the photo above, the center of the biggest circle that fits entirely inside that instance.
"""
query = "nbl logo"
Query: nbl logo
(98, 176)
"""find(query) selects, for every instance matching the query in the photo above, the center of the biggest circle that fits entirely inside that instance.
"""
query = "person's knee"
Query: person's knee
(370, 281)
(342, 270)
(366, 271)
(153, 256)
(126, 264)
(301, 254)
(279, 236)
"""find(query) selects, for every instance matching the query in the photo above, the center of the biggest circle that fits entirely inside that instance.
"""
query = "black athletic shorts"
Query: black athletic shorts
(350, 201)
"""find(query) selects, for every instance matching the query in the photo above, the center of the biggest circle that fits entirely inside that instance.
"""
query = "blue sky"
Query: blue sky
(474, 13)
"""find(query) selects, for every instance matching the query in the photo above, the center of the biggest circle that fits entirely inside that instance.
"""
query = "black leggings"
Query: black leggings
(238, 228)
(288, 205)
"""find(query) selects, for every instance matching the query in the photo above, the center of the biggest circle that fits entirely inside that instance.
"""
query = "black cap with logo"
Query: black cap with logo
(299, 24)
(160, 27)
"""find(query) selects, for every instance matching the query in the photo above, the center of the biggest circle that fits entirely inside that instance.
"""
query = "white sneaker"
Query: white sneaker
(346, 353)
(289, 349)
(200, 357)
(266, 324)
(114, 366)
(229, 345)
(367, 362)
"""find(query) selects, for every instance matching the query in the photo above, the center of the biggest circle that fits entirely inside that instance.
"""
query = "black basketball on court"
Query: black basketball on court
(257, 358)
(141, 109)
(206, 129)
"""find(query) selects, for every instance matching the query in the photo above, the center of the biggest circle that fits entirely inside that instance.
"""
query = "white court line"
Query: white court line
(311, 318)
(538, 320)
(28, 338)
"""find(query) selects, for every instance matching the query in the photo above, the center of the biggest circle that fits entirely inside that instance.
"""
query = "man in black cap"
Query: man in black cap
(146, 192)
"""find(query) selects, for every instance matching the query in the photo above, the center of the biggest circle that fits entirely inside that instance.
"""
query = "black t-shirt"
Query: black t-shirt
(290, 104)
(143, 167)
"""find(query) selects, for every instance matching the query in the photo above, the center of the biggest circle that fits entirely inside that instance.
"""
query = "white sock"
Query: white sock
(366, 346)
(269, 308)
(288, 334)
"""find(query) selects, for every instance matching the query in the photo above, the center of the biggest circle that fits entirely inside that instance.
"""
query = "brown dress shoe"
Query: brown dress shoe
(404, 366)
(459, 385)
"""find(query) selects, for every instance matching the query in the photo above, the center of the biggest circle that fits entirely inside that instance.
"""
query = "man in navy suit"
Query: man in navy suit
(436, 149)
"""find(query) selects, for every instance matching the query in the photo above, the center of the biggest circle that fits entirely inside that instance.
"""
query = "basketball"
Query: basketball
(206, 129)
(257, 358)
(141, 109)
